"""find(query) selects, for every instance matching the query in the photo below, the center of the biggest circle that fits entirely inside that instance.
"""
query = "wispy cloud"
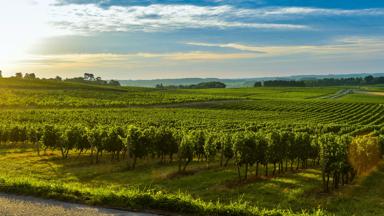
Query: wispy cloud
(307, 11)
(88, 18)
(92, 18)
(352, 45)
(94, 59)
(198, 56)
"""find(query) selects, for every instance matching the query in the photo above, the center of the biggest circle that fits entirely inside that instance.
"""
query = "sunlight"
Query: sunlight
(23, 23)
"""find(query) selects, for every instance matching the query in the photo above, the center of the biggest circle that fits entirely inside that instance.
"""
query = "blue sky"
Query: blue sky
(206, 38)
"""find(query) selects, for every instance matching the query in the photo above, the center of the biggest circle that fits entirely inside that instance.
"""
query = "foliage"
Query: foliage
(364, 153)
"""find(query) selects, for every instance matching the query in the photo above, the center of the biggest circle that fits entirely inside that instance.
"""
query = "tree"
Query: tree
(134, 147)
(19, 75)
(114, 143)
(364, 153)
(70, 139)
(85, 143)
(274, 149)
(314, 153)
(292, 152)
(244, 147)
(260, 151)
(51, 137)
(99, 139)
(166, 143)
(333, 158)
(199, 139)
(89, 77)
(186, 150)
(369, 79)
(283, 153)
(227, 149)
(304, 143)
(4, 134)
(34, 136)
(327, 143)
(210, 148)
(30, 76)
(114, 83)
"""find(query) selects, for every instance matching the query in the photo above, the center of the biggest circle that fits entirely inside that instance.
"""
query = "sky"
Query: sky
(151, 39)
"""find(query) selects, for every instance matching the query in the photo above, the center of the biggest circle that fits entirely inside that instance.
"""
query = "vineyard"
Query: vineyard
(197, 151)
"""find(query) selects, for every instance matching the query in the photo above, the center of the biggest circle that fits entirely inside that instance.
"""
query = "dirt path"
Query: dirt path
(25, 205)
(369, 92)
(338, 94)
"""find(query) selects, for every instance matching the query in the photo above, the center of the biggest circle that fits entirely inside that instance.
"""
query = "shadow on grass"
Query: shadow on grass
(292, 190)
(365, 197)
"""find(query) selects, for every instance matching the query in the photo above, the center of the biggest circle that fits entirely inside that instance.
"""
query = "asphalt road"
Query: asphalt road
(24, 205)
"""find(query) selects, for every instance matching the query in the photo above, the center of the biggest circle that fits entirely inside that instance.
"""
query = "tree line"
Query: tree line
(321, 82)
(203, 85)
(341, 157)
(88, 78)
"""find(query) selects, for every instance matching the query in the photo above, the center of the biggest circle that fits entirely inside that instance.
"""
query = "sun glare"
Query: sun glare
(22, 23)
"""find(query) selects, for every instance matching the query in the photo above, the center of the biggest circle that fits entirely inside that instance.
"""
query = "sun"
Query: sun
(22, 24)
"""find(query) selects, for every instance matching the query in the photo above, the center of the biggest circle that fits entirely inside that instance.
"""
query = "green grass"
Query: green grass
(111, 184)
(365, 197)
(205, 189)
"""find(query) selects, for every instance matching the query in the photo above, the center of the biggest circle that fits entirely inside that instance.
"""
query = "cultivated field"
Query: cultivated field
(246, 151)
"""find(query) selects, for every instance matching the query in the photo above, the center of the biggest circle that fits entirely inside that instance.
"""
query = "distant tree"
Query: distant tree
(210, 85)
(19, 75)
(159, 86)
(369, 79)
(58, 78)
(1, 74)
(114, 83)
(203, 85)
(89, 77)
(30, 76)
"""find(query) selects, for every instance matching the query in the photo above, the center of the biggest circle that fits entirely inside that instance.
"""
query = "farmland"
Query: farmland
(164, 150)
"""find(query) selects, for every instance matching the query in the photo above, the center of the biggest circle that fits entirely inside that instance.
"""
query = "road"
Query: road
(25, 205)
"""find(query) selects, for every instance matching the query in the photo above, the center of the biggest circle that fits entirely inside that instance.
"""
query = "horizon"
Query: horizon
(318, 76)
(176, 39)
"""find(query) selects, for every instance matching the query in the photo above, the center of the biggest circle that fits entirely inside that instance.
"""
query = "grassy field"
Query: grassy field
(297, 191)
(212, 189)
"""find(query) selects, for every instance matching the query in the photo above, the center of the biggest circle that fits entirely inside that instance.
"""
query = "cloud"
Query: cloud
(347, 46)
(198, 56)
(95, 59)
(343, 47)
(88, 18)
(307, 11)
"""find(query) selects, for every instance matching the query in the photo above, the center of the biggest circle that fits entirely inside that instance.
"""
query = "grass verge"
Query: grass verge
(134, 200)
